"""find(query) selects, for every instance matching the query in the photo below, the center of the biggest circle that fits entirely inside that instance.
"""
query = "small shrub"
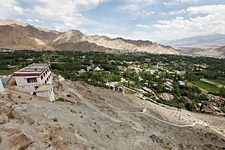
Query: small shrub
(55, 119)
(95, 131)
(11, 116)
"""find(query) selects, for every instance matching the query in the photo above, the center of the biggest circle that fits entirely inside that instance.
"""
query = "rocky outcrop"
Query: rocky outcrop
(15, 139)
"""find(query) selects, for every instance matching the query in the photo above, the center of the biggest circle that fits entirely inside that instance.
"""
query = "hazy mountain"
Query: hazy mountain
(17, 35)
(207, 41)
(213, 52)
(221, 49)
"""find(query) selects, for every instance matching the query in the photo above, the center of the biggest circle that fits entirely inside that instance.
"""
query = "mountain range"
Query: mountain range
(202, 42)
(18, 35)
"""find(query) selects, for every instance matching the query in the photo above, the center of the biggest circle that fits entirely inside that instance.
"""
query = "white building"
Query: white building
(98, 69)
(30, 78)
(181, 83)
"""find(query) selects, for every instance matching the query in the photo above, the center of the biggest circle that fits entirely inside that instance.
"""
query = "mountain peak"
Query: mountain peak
(12, 22)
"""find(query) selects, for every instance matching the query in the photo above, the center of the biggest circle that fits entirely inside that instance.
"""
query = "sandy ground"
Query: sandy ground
(96, 118)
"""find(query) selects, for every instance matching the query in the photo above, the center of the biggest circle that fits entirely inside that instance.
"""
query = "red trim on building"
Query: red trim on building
(25, 74)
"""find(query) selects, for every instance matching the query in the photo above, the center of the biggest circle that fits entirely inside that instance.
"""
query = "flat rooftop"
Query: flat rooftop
(33, 68)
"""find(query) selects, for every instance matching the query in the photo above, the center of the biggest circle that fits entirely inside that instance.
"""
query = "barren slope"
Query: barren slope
(97, 118)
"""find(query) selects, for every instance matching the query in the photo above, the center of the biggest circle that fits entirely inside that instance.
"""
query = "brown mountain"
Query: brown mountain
(21, 36)
(18, 35)
(80, 46)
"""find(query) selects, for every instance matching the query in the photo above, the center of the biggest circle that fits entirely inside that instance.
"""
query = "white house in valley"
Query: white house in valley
(31, 78)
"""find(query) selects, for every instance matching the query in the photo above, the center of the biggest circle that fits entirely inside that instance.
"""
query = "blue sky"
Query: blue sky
(155, 20)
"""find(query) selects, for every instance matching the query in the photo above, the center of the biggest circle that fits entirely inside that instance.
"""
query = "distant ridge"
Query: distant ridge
(206, 41)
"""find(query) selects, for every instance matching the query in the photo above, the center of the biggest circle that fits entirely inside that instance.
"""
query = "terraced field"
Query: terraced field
(207, 86)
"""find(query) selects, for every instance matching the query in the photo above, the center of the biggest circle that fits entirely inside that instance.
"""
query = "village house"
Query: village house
(98, 69)
(81, 71)
(113, 86)
(168, 85)
(88, 68)
(31, 79)
(181, 83)
(123, 80)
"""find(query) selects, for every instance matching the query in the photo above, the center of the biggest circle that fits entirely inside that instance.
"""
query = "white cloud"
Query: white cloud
(208, 9)
(143, 26)
(212, 21)
(9, 8)
(141, 8)
(58, 13)
(178, 12)
(63, 14)
(177, 2)
(138, 8)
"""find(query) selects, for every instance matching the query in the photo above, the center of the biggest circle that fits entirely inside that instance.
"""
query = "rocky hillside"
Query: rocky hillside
(86, 117)
(18, 35)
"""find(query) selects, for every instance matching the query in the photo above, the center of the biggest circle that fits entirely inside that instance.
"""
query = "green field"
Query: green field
(218, 81)
(207, 86)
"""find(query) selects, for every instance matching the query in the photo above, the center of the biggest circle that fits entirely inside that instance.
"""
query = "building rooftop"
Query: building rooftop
(33, 68)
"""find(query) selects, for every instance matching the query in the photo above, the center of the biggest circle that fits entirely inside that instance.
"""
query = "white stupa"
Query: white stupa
(2, 90)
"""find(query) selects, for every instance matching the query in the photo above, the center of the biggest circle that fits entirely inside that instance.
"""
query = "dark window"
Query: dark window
(31, 80)
(41, 77)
